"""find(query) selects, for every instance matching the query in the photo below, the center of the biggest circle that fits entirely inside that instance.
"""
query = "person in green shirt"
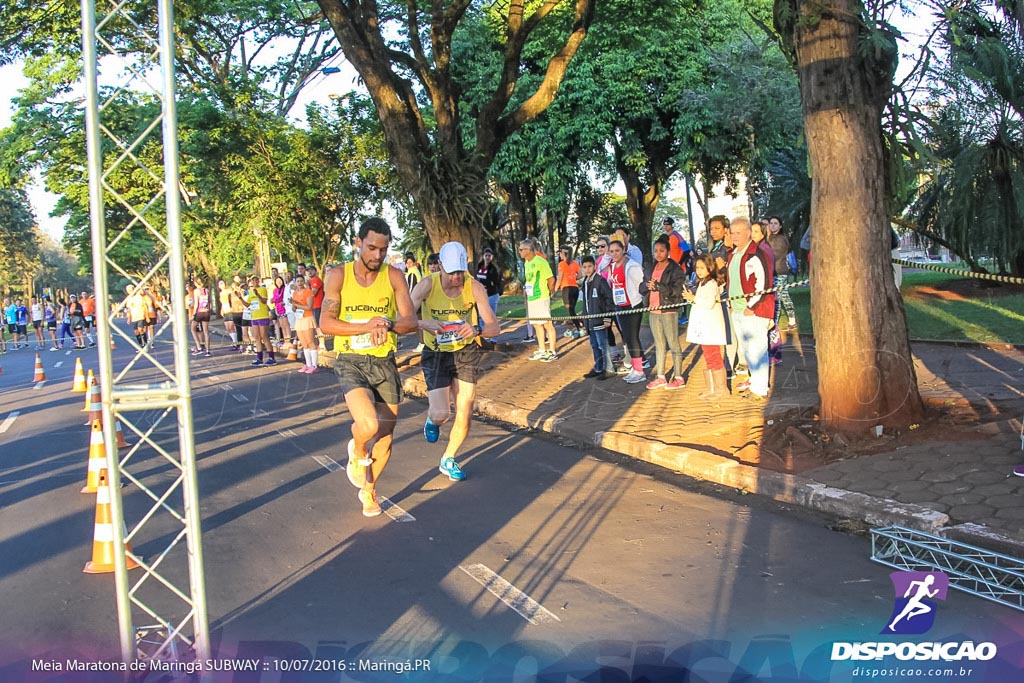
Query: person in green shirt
(540, 282)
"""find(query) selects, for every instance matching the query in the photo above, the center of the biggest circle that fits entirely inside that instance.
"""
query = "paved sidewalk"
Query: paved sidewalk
(952, 478)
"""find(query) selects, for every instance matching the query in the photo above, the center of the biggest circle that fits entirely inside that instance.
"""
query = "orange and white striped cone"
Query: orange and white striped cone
(292, 353)
(88, 384)
(112, 345)
(93, 403)
(79, 385)
(40, 376)
(103, 534)
(121, 443)
(97, 458)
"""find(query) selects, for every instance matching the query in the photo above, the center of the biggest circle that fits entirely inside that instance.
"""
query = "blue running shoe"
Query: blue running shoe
(451, 468)
(431, 432)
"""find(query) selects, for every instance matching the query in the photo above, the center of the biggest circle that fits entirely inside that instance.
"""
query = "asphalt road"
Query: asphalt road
(546, 558)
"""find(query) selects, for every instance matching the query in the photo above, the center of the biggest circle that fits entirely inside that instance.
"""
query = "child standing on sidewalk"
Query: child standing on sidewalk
(597, 298)
(663, 286)
(707, 323)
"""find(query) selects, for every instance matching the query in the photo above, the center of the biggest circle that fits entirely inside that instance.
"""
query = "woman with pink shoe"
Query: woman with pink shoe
(305, 325)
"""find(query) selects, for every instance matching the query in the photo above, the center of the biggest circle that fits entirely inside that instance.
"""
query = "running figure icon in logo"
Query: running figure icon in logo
(914, 610)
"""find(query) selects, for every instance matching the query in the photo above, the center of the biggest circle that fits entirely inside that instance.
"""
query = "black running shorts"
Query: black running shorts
(441, 368)
(378, 375)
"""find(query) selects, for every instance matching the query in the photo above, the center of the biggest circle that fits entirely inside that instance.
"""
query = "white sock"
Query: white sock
(306, 353)
(314, 356)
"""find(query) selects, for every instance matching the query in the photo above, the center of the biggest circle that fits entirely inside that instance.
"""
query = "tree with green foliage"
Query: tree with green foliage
(236, 62)
(404, 54)
(973, 199)
(19, 240)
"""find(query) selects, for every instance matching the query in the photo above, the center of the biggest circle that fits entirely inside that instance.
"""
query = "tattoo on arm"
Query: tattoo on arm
(332, 307)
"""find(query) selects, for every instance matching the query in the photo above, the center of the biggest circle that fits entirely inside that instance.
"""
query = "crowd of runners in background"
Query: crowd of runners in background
(38, 323)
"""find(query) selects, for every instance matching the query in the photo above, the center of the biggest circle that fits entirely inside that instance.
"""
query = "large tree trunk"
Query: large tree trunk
(443, 230)
(865, 371)
(641, 202)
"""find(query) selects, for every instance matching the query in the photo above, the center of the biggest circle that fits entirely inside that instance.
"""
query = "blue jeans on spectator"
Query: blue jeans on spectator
(492, 301)
(751, 333)
(599, 345)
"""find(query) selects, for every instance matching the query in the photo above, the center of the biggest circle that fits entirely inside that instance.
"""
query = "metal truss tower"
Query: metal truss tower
(161, 606)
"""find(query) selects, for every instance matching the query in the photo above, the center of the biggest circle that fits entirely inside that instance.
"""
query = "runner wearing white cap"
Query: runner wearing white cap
(451, 303)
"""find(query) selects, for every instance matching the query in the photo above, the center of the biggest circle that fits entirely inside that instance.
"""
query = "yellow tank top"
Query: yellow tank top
(259, 310)
(453, 312)
(359, 304)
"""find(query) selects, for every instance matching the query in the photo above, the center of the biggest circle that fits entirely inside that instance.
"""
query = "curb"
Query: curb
(786, 488)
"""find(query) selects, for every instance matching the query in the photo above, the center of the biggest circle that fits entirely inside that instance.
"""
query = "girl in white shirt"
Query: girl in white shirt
(707, 323)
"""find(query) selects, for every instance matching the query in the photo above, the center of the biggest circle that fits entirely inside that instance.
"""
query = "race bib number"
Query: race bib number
(528, 288)
(619, 296)
(449, 333)
(360, 342)
(254, 306)
(247, 314)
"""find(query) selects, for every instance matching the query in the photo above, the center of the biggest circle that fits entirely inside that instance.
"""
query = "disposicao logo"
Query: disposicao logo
(913, 613)
(914, 610)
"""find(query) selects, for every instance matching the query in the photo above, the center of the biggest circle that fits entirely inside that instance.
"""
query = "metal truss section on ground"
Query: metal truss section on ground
(161, 605)
(987, 574)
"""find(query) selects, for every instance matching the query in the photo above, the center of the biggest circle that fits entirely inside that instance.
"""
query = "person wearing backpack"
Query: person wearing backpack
(780, 245)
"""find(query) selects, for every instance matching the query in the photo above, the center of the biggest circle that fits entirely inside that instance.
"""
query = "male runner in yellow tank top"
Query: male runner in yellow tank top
(366, 305)
(449, 303)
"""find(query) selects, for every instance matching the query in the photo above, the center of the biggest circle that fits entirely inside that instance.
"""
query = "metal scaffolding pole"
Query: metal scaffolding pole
(175, 616)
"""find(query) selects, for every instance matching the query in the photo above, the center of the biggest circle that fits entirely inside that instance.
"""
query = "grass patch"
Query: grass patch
(979, 318)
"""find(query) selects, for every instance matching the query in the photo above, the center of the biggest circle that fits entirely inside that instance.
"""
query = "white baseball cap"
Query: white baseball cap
(453, 257)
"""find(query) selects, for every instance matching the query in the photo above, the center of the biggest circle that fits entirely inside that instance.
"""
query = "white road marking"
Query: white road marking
(58, 364)
(288, 434)
(227, 387)
(520, 602)
(39, 384)
(68, 353)
(240, 398)
(393, 511)
(259, 412)
(11, 417)
(49, 476)
(327, 463)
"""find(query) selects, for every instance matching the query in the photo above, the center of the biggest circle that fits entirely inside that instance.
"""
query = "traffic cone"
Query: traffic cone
(121, 443)
(93, 402)
(97, 458)
(292, 353)
(88, 383)
(103, 534)
(112, 345)
(79, 385)
(40, 375)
